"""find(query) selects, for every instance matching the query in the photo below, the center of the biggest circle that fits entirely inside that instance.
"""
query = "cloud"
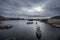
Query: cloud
(52, 4)
(29, 7)
(19, 6)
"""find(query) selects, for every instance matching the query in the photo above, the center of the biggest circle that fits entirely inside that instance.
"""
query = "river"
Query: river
(23, 31)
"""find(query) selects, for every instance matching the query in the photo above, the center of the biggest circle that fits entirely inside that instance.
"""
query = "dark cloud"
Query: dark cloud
(56, 9)
(52, 7)
(50, 4)
(29, 7)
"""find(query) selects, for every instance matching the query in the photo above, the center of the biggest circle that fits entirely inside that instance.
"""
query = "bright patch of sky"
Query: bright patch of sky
(23, 8)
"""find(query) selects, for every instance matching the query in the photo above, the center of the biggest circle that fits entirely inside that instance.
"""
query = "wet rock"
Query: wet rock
(38, 33)
(5, 26)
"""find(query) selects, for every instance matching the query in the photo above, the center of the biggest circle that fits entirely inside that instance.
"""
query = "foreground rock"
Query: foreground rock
(5, 26)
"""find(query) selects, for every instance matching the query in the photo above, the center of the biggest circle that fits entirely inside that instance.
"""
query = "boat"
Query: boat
(29, 22)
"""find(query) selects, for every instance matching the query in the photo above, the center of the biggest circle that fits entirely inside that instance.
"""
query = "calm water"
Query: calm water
(23, 31)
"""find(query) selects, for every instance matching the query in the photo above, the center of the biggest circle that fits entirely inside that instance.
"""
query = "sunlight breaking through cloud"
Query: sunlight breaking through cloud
(28, 7)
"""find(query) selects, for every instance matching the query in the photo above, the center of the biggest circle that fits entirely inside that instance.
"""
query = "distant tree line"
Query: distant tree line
(5, 18)
(56, 17)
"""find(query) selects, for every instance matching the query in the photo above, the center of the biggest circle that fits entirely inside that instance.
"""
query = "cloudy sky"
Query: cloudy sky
(17, 8)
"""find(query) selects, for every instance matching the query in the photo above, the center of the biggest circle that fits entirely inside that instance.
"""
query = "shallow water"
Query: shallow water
(23, 31)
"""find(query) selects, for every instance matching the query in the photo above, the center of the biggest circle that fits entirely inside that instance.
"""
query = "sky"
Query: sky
(23, 8)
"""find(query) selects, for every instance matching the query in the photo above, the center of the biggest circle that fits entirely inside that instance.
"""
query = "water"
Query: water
(23, 31)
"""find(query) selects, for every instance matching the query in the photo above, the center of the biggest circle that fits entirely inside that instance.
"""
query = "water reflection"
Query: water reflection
(11, 38)
(56, 26)
(0, 22)
(38, 33)
(23, 31)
